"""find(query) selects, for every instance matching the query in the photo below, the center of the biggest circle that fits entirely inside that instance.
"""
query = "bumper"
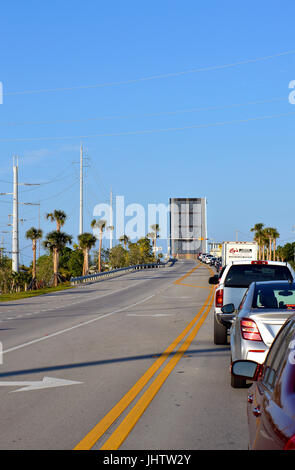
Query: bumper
(257, 355)
(248, 350)
(224, 319)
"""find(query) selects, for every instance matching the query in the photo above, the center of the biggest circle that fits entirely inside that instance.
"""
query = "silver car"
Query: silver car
(263, 310)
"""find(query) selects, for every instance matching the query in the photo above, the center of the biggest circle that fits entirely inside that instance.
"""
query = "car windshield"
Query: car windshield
(274, 296)
(241, 275)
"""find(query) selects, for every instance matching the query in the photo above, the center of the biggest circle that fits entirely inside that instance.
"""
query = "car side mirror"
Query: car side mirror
(246, 369)
(214, 279)
(228, 309)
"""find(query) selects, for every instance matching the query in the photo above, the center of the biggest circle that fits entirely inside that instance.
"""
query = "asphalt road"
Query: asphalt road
(141, 368)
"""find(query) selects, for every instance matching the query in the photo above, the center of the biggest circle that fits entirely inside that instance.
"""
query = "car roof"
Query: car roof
(269, 283)
(266, 262)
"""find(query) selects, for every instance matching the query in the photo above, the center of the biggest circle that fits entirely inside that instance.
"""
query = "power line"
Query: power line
(58, 194)
(155, 77)
(152, 131)
(144, 115)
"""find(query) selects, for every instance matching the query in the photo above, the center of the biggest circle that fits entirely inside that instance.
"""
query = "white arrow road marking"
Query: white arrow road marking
(47, 382)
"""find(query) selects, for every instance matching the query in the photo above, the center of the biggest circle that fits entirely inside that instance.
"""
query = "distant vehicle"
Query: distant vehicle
(233, 283)
(239, 251)
(205, 257)
(271, 398)
(218, 265)
(264, 309)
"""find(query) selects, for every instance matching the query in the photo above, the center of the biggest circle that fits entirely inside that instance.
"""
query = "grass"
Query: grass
(34, 293)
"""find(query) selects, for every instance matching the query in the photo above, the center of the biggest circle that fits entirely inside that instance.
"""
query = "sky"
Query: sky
(168, 99)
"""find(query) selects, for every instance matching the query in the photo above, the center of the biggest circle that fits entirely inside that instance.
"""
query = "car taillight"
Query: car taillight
(290, 445)
(219, 298)
(259, 262)
(250, 330)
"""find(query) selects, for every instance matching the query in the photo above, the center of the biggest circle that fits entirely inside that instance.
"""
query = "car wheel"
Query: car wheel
(220, 333)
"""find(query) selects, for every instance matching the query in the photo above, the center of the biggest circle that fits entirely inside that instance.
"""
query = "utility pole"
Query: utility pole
(111, 220)
(81, 191)
(39, 220)
(15, 239)
(15, 218)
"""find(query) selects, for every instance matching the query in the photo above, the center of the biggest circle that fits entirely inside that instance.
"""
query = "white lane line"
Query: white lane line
(57, 333)
(152, 315)
(95, 297)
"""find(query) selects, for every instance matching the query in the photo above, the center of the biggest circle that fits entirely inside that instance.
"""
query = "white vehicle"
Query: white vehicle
(233, 283)
(239, 251)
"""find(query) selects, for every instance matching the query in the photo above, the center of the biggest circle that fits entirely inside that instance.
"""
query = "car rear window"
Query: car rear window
(274, 296)
(241, 275)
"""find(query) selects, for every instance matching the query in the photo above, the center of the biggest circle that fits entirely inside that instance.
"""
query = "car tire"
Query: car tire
(220, 333)
(238, 382)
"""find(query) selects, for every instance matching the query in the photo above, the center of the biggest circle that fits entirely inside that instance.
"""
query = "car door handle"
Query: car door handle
(256, 412)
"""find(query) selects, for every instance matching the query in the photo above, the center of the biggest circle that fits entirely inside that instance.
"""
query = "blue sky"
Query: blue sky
(245, 169)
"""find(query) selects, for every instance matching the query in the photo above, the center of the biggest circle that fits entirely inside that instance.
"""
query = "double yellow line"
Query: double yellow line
(125, 427)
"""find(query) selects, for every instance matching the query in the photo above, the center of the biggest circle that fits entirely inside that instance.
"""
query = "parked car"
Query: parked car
(233, 283)
(264, 309)
(271, 398)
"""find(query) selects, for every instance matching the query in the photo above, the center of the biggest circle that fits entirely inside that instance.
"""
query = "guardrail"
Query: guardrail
(107, 274)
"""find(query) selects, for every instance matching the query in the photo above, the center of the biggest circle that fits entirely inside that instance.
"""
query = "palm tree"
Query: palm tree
(59, 217)
(274, 235)
(264, 243)
(55, 242)
(101, 225)
(125, 240)
(154, 235)
(86, 242)
(34, 234)
(268, 235)
(257, 229)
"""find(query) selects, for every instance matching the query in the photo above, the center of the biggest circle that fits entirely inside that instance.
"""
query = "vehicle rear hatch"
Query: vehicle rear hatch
(269, 322)
(233, 295)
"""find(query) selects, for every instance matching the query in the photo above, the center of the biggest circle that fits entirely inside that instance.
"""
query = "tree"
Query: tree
(55, 242)
(75, 263)
(59, 217)
(271, 234)
(154, 235)
(45, 270)
(287, 252)
(5, 274)
(258, 236)
(118, 257)
(275, 235)
(34, 234)
(86, 242)
(125, 240)
(101, 225)
(140, 252)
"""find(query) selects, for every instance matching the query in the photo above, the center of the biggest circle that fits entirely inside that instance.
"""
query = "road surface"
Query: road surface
(126, 363)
